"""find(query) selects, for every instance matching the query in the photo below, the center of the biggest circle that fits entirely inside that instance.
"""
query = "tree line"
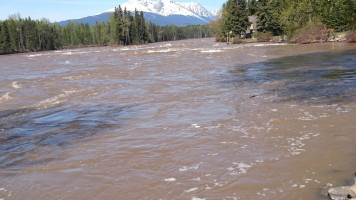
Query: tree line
(284, 17)
(123, 28)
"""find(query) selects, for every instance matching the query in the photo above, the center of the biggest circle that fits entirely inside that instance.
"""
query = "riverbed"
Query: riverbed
(189, 119)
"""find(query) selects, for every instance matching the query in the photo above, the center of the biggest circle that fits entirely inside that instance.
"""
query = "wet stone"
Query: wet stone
(352, 191)
(339, 193)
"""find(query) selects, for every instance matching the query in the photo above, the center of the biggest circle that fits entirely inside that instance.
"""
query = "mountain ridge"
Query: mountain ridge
(159, 12)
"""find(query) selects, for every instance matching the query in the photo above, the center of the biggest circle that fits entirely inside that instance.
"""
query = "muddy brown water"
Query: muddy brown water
(190, 119)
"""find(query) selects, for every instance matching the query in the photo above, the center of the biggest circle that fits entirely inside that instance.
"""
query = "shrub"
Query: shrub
(312, 32)
(351, 37)
(236, 40)
(264, 37)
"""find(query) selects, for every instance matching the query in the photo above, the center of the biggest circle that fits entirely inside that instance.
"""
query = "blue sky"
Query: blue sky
(58, 10)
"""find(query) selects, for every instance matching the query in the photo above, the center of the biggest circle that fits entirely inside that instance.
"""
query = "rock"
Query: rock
(352, 191)
(339, 193)
(324, 190)
(337, 38)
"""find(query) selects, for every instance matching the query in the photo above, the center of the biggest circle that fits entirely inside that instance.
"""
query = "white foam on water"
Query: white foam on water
(15, 85)
(271, 44)
(239, 168)
(261, 194)
(196, 179)
(36, 55)
(307, 180)
(170, 179)
(297, 144)
(307, 117)
(3, 191)
(67, 62)
(191, 190)
(166, 45)
(207, 187)
(195, 125)
(5, 97)
(194, 167)
(212, 51)
(162, 51)
(197, 198)
(218, 184)
(55, 100)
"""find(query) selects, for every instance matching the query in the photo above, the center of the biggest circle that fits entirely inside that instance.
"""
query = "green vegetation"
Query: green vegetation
(233, 22)
(123, 28)
(289, 17)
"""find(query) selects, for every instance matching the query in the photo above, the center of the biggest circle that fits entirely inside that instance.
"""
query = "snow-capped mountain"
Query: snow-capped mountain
(167, 8)
(160, 12)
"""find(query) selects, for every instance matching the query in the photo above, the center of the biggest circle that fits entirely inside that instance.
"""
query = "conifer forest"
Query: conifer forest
(276, 17)
(284, 17)
(124, 28)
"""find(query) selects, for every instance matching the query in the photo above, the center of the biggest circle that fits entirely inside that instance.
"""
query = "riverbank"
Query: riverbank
(310, 38)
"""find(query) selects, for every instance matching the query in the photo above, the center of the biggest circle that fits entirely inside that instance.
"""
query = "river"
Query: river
(189, 119)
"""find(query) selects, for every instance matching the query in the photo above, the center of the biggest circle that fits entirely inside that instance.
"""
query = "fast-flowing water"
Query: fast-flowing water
(181, 120)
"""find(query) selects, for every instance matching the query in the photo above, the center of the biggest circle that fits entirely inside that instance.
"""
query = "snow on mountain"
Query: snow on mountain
(159, 12)
(216, 13)
(167, 8)
(197, 9)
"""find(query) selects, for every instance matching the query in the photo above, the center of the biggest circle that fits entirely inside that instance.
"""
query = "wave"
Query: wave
(58, 99)
(5, 97)
(163, 51)
(212, 51)
(15, 85)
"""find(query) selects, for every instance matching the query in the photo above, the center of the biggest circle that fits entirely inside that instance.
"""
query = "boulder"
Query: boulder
(352, 191)
(339, 193)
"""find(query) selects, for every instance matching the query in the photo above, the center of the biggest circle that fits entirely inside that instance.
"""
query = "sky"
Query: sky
(59, 10)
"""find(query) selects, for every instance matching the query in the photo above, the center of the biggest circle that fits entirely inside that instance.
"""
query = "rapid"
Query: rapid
(189, 119)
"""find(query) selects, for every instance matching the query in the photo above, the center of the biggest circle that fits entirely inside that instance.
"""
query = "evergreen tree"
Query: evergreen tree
(4, 38)
(268, 17)
(252, 7)
(143, 29)
(14, 33)
(236, 17)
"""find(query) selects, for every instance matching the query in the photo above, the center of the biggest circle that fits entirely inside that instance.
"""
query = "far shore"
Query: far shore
(338, 37)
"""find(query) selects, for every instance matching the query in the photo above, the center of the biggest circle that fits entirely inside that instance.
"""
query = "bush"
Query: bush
(351, 37)
(236, 40)
(264, 37)
(312, 32)
(218, 38)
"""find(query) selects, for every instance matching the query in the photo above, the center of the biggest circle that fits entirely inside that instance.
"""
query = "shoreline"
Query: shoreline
(276, 39)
